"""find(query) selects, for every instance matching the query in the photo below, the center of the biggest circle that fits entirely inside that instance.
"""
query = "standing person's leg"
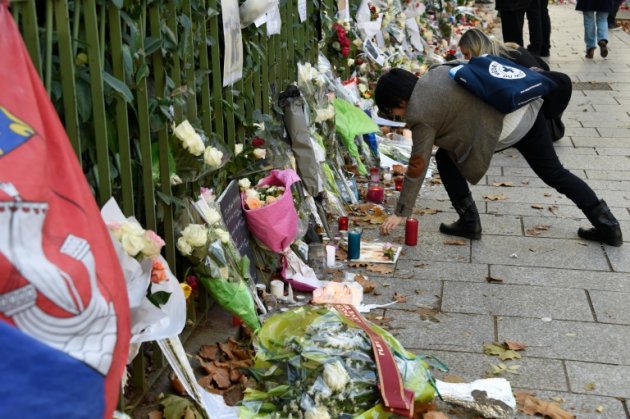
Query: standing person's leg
(512, 25)
(546, 29)
(602, 32)
(589, 33)
(534, 23)
(537, 149)
(612, 16)
(468, 225)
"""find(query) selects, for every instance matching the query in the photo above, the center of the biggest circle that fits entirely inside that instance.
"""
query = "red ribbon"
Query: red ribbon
(396, 398)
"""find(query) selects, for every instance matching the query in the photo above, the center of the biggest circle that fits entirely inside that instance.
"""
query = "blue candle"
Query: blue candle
(354, 244)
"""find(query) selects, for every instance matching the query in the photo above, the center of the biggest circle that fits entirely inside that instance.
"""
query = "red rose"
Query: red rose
(193, 281)
(258, 142)
(345, 51)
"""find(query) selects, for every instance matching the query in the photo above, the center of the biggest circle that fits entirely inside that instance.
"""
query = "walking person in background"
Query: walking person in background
(595, 14)
(612, 16)
(512, 19)
(539, 25)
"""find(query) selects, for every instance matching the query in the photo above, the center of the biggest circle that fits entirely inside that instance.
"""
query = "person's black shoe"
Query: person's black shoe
(614, 27)
(605, 228)
(603, 48)
(468, 225)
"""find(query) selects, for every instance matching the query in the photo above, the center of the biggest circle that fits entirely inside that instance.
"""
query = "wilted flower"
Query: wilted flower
(212, 156)
(223, 235)
(260, 153)
(244, 184)
(175, 180)
(212, 216)
(190, 139)
(158, 271)
(335, 376)
(184, 247)
(193, 281)
(195, 234)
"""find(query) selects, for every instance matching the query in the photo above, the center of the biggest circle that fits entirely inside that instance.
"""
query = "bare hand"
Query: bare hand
(390, 224)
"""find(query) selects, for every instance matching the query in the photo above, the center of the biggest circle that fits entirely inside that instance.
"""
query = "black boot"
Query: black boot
(468, 225)
(606, 227)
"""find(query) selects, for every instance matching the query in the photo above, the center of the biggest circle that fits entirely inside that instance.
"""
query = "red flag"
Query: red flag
(60, 280)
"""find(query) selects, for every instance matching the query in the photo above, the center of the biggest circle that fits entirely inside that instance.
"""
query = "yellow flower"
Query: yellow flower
(187, 290)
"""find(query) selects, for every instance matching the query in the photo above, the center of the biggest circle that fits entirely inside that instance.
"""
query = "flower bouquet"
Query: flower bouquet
(313, 362)
(158, 304)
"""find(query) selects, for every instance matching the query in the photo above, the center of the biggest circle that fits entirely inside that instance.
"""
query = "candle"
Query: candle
(374, 175)
(343, 224)
(376, 194)
(277, 288)
(354, 244)
(411, 232)
(398, 183)
(387, 175)
(330, 256)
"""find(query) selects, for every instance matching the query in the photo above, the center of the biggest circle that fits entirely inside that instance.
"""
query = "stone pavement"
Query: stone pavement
(568, 300)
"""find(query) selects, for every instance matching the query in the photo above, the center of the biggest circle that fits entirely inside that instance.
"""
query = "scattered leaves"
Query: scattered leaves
(501, 197)
(455, 242)
(499, 350)
(380, 269)
(589, 387)
(428, 314)
(530, 405)
(501, 368)
(538, 206)
(493, 280)
(176, 407)
(537, 229)
(368, 286)
(399, 298)
(504, 184)
(553, 209)
(515, 346)
(452, 378)
(427, 211)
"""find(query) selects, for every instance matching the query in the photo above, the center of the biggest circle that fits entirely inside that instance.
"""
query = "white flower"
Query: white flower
(251, 193)
(318, 412)
(238, 149)
(176, 180)
(152, 244)
(223, 235)
(324, 114)
(207, 195)
(335, 376)
(195, 234)
(350, 62)
(131, 228)
(190, 139)
(260, 153)
(212, 216)
(132, 244)
(184, 247)
(244, 184)
(358, 43)
(213, 156)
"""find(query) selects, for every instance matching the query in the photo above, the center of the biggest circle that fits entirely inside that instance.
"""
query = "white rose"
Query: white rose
(213, 156)
(251, 193)
(184, 247)
(190, 139)
(238, 149)
(260, 153)
(212, 216)
(335, 376)
(319, 412)
(152, 244)
(358, 43)
(244, 184)
(223, 235)
(350, 62)
(176, 180)
(132, 244)
(131, 228)
(195, 234)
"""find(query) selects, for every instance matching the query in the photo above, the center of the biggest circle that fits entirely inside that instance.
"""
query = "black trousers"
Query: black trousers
(612, 16)
(512, 25)
(537, 149)
(539, 25)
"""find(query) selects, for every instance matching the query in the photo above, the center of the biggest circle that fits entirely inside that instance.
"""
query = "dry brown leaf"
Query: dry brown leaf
(356, 264)
(376, 219)
(399, 298)
(233, 395)
(235, 375)
(501, 197)
(421, 265)
(398, 169)
(538, 206)
(547, 194)
(380, 268)
(428, 314)
(341, 254)
(530, 405)
(419, 409)
(368, 286)
(525, 182)
(379, 320)
(209, 352)
(504, 184)
(226, 348)
(176, 384)
(156, 414)
(552, 209)
(456, 242)
(590, 387)
(435, 415)
(542, 227)
(427, 211)
(494, 280)
(515, 346)
(452, 378)
(221, 377)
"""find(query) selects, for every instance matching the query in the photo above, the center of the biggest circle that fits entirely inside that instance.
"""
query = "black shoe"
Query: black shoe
(606, 227)
(603, 48)
(614, 27)
(468, 225)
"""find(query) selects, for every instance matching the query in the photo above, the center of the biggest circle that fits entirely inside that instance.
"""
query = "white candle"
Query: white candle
(277, 288)
(330, 256)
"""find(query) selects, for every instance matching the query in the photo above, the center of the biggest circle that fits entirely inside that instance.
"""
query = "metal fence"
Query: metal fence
(120, 71)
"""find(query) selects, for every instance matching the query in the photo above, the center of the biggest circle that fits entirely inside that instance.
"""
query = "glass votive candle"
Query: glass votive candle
(398, 181)
(354, 244)
(342, 224)
(376, 193)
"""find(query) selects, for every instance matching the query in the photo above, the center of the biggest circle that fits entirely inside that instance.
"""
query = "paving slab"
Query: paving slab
(569, 340)
(619, 257)
(417, 292)
(561, 227)
(516, 300)
(434, 247)
(612, 307)
(599, 379)
(538, 251)
(442, 271)
(581, 405)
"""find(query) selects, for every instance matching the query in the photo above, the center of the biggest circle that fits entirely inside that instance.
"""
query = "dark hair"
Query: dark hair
(393, 88)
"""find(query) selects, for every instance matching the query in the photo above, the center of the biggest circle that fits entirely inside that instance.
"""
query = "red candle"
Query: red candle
(411, 232)
(398, 181)
(376, 194)
(374, 174)
(343, 224)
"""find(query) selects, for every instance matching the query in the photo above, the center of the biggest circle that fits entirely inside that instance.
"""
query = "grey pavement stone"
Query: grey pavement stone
(442, 271)
(610, 151)
(459, 332)
(418, 293)
(614, 132)
(581, 132)
(612, 307)
(569, 151)
(599, 379)
(582, 405)
(431, 246)
(531, 209)
(515, 300)
(562, 278)
(569, 340)
(607, 174)
(600, 142)
(543, 374)
(542, 252)
(619, 256)
(581, 115)
(563, 228)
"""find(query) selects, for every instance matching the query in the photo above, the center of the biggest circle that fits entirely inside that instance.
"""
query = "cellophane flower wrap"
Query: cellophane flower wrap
(215, 260)
(312, 362)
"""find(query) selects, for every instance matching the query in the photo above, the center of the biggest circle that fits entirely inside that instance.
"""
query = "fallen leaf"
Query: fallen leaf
(226, 348)
(380, 269)
(368, 286)
(421, 265)
(177, 384)
(399, 298)
(209, 352)
(452, 378)
(515, 346)
(179, 407)
(379, 320)
(494, 280)
(428, 314)
(501, 368)
(221, 377)
(341, 254)
(538, 206)
(589, 387)
(427, 211)
(557, 399)
(434, 415)
(500, 351)
(233, 395)
(505, 184)
(525, 182)
(501, 197)
(156, 414)
(547, 194)
(599, 409)
(552, 209)
(530, 405)
(456, 242)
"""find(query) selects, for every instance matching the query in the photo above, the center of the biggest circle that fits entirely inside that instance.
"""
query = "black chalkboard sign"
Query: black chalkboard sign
(234, 219)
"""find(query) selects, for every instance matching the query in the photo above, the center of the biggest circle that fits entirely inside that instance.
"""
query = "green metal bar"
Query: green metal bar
(204, 66)
(76, 19)
(102, 22)
(49, 46)
(176, 74)
(98, 102)
(299, 29)
(229, 119)
(290, 19)
(272, 64)
(142, 100)
(217, 90)
(256, 76)
(163, 136)
(29, 32)
(122, 118)
(66, 67)
(284, 50)
(264, 74)
(189, 67)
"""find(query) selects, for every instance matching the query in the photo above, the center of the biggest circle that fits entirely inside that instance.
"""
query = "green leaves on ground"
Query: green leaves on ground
(501, 351)
(176, 407)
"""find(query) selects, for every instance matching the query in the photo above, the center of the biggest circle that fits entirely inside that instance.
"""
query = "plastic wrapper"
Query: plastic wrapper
(312, 359)
(350, 122)
(396, 148)
(253, 9)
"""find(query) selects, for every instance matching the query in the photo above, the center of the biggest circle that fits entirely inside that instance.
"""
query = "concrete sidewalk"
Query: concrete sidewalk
(567, 299)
